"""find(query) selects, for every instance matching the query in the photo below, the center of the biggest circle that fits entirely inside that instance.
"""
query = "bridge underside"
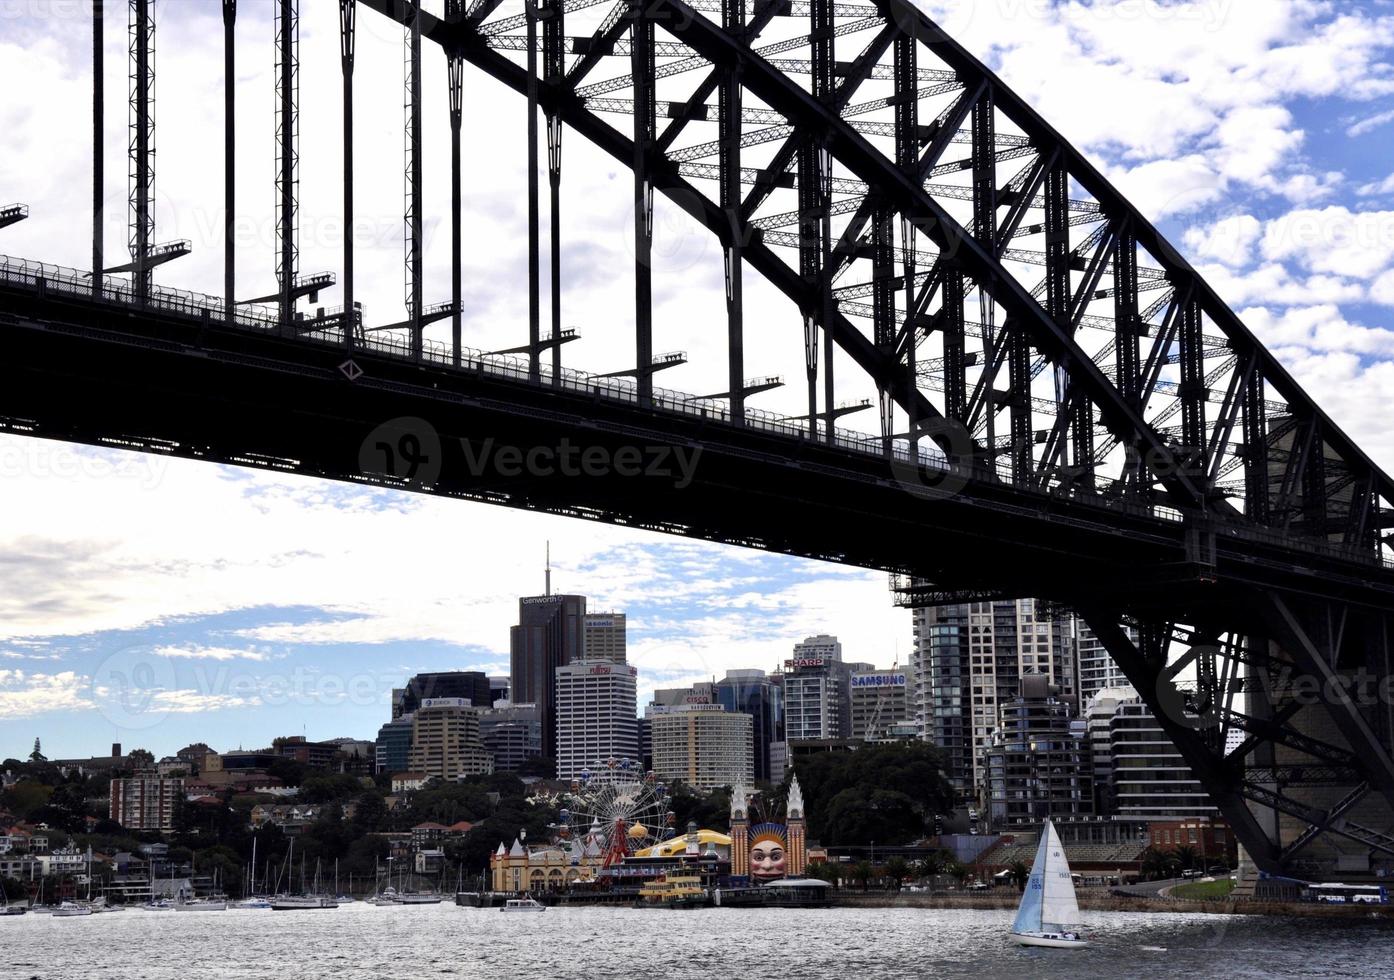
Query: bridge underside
(1307, 790)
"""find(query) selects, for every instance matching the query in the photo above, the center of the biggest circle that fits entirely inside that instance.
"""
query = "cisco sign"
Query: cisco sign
(878, 680)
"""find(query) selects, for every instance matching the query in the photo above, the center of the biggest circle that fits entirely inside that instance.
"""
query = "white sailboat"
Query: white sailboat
(1049, 914)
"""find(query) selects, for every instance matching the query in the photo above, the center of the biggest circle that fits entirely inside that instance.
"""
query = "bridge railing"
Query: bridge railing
(43, 276)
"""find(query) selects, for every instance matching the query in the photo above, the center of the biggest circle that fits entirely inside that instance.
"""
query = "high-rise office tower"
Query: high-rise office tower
(704, 745)
(472, 685)
(394, 745)
(817, 691)
(751, 692)
(512, 733)
(550, 634)
(596, 718)
(880, 704)
(445, 740)
(606, 636)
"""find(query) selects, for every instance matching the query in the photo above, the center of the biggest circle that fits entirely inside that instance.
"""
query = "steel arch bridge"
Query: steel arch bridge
(1066, 409)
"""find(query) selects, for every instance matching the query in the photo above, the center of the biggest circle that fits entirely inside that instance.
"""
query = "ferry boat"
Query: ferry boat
(418, 898)
(1049, 914)
(674, 892)
(785, 893)
(523, 905)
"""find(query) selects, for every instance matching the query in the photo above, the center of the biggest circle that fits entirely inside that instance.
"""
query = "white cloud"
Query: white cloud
(1317, 328)
(23, 695)
(1230, 241)
(1382, 290)
(196, 652)
(186, 702)
(1274, 283)
(1370, 123)
(1333, 240)
(1385, 186)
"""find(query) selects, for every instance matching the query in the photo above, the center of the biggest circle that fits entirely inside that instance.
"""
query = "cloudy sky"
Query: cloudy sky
(156, 602)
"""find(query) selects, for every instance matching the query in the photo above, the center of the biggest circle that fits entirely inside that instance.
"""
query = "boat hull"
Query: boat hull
(1048, 941)
(293, 904)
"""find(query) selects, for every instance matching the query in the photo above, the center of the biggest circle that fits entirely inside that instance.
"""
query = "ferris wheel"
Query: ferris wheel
(614, 809)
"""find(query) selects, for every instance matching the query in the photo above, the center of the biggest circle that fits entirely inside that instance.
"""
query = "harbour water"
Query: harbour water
(361, 942)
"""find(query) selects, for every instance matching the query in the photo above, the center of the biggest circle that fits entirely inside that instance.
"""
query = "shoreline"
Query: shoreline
(1108, 902)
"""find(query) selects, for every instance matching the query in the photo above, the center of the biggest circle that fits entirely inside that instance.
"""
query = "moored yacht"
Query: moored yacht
(283, 903)
(71, 909)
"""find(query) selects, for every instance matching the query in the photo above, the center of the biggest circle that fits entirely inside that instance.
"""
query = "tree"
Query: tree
(934, 863)
(900, 783)
(1157, 864)
(370, 813)
(1186, 856)
(897, 870)
(1020, 874)
(862, 815)
(288, 771)
(862, 872)
(959, 872)
(711, 810)
(329, 788)
(141, 758)
(25, 797)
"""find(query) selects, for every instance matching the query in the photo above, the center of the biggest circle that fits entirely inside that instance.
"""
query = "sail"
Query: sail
(1059, 910)
(1048, 903)
(1028, 916)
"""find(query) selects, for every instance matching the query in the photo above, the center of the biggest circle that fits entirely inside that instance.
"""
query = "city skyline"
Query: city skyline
(244, 690)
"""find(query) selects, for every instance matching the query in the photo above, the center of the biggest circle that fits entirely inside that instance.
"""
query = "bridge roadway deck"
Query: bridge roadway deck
(174, 378)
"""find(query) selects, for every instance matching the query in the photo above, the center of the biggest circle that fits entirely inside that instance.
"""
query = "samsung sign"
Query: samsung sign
(878, 680)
